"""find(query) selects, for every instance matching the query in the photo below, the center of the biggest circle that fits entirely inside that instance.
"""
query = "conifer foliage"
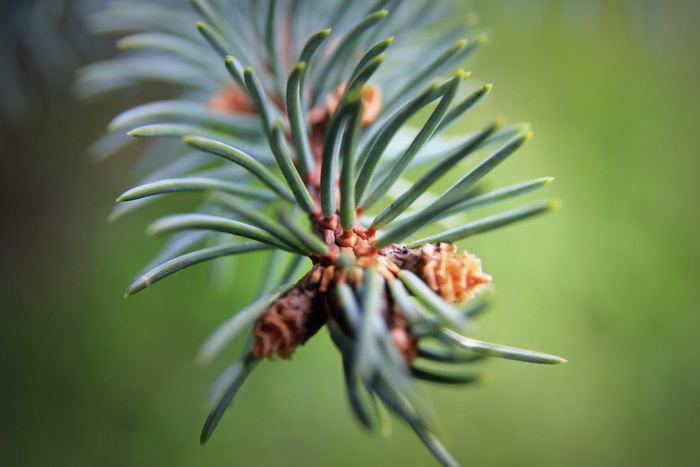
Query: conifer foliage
(316, 130)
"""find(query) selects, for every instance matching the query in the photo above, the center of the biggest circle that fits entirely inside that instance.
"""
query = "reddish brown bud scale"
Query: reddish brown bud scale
(455, 277)
(292, 320)
(371, 102)
(297, 316)
(231, 98)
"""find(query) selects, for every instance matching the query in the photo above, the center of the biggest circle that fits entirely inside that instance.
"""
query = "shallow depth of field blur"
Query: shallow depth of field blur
(610, 281)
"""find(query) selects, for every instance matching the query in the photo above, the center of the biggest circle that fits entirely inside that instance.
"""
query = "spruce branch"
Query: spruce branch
(312, 117)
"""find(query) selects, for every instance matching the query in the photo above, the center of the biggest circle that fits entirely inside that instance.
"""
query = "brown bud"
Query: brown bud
(292, 320)
(371, 102)
(231, 98)
(455, 277)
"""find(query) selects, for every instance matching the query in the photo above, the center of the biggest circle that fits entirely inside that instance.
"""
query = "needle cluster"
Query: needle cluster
(305, 123)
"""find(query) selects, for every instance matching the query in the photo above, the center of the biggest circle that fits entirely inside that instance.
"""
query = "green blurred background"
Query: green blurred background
(609, 282)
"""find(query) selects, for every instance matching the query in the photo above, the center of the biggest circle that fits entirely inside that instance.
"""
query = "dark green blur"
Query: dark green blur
(610, 282)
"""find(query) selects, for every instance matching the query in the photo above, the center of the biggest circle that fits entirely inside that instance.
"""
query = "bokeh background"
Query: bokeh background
(609, 282)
